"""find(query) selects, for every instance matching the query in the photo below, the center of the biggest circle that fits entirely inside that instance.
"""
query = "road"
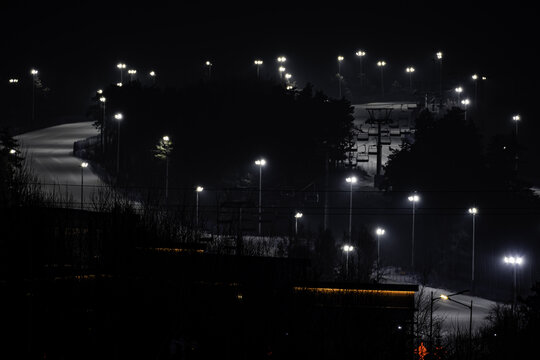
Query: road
(49, 154)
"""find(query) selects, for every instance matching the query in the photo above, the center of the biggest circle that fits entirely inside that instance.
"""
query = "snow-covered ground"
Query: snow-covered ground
(49, 153)
(453, 314)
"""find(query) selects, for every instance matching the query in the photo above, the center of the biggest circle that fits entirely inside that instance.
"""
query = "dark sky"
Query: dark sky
(76, 45)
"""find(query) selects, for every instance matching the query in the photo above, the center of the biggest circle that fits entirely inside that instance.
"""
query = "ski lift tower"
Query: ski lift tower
(379, 116)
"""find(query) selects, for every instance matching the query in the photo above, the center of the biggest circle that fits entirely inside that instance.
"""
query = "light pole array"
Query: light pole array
(361, 54)
(260, 163)
(121, 67)
(413, 199)
(132, 73)
(351, 180)
(516, 119)
(381, 64)
(258, 64)
(281, 68)
(347, 249)
(514, 261)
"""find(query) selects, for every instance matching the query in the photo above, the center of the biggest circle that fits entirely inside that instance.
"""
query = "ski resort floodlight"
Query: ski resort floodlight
(102, 99)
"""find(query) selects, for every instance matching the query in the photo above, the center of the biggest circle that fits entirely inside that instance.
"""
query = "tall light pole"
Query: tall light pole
(413, 199)
(297, 216)
(132, 73)
(121, 67)
(475, 79)
(340, 59)
(347, 249)
(166, 140)
(410, 71)
(379, 232)
(209, 66)
(465, 103)
(198, 189)
(514, 261)
(381, 64)
(258, 64)
(281, 68)
(103, 100)
(361, 54)
(458, 91)
(473, 211)
(440, 58)
(516, 119)
(84, 165)
(260, 163)
(351, 180)
(153, 75)
(118, 118)
(34, 73)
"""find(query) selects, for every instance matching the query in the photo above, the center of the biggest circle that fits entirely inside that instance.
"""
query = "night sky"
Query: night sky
(76, 47)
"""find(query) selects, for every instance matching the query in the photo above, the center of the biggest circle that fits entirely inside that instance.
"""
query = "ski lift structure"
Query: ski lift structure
(379, 116)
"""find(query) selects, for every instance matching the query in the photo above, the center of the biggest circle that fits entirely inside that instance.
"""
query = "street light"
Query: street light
(413, 199)
(347, 249)
(379, 232)
(514, 261)
(340, 59)
(470, 307)
(13, 81)
(258, 63)
(84, 165)
(297, 216)
(198, 189)
(473, 211)
(361, 54)
(410, 70)
(260, 163)
(381, 64)
(351, 180)
(118, 117)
